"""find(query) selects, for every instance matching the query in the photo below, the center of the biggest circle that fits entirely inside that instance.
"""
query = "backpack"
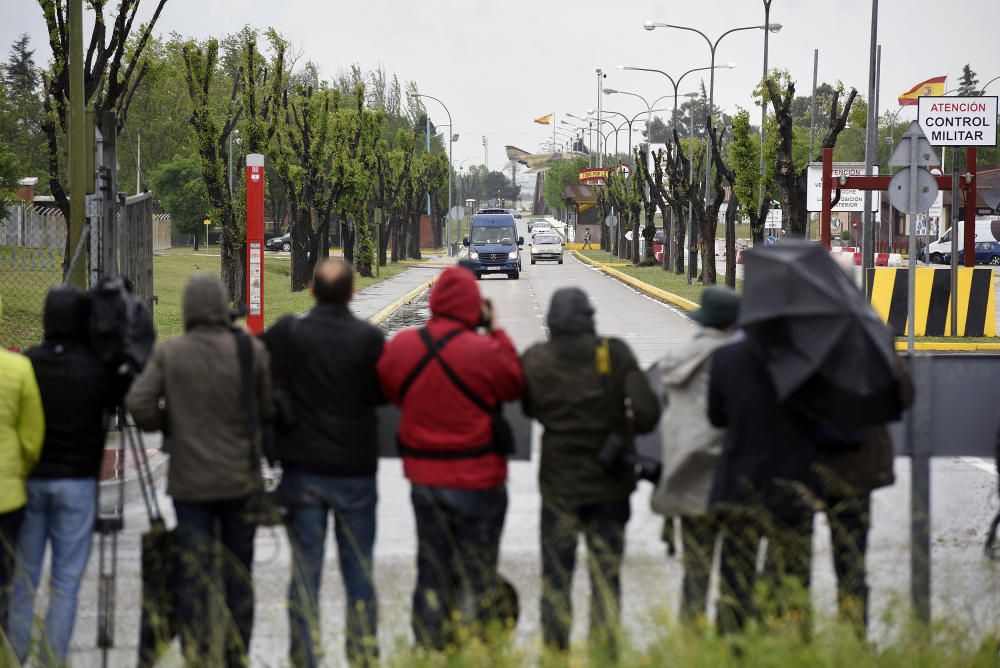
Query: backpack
(121, 329)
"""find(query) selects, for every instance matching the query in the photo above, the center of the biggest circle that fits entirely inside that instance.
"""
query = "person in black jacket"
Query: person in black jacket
(324, 362)
(761, 485)
(79, 394)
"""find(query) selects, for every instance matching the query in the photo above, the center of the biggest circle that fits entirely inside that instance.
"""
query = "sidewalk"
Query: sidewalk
(375, 299)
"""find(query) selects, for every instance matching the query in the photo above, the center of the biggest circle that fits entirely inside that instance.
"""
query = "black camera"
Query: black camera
(618, 454)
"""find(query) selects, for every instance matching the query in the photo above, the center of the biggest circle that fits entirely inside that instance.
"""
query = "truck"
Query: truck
(494, 247)
(939, 251)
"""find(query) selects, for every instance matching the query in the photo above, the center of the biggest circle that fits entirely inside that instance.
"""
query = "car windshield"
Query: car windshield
(493, 234)
(547, 239)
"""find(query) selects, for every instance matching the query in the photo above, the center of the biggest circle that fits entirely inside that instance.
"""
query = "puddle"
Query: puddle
(410, 315)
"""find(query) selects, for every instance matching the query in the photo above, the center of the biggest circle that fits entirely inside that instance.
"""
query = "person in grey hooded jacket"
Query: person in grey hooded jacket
(691, 445)
(192, 390)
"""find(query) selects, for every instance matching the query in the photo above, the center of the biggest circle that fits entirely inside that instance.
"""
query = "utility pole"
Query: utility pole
(486, 153)
(138, 161)
(77, 149)
(867, 228)
(763, 107)
(600, 109)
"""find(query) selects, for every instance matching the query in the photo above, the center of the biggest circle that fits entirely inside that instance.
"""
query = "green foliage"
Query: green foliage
(364, 254)
(744, 159)
(968, 83)
(21, 108)
(9, 176)
(562, 173)
(181, 191)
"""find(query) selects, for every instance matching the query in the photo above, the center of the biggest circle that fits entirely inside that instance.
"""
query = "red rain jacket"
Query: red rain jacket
(436, 416)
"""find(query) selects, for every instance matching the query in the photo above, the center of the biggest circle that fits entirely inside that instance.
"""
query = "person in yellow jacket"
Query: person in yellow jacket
(22, 430)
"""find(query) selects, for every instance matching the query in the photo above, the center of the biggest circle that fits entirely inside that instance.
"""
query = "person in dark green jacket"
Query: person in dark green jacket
(578, 385)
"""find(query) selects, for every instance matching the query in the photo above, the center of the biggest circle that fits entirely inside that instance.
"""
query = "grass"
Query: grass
(23, 287)
(655, 276)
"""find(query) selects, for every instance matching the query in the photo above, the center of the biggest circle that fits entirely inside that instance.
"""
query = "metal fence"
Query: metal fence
(32, 242)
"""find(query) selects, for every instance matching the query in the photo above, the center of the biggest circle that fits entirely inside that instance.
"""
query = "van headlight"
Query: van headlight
(512, 255)
(473, 255)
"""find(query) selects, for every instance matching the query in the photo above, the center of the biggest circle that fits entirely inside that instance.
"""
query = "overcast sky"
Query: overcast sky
(498, 65)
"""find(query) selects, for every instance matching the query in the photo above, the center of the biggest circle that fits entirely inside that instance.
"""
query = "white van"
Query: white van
(987, 229)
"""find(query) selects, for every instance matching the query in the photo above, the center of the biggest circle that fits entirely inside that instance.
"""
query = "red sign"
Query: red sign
(593, 175)
(255, 243)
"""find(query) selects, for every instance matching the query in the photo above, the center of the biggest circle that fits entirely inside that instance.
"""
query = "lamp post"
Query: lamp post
(763, 107)
(676, 83)
(451, 138)
(486, 153)
(712, 47)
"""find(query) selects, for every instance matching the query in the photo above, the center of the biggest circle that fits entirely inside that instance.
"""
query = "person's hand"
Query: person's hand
(487, 317)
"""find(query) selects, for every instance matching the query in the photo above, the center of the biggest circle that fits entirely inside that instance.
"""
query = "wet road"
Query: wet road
(963, 498)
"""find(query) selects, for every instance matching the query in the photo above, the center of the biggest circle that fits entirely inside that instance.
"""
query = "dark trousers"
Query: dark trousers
(787, 567)
(698, 534)
(850, 520)
(351, 500)
(458, 535)
(603, 529)
(10, 524)
(214, 536)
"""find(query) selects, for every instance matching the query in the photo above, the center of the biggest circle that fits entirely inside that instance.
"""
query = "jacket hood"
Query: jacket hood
(678, 365)
(455, 295)
(570, 312)
(205, 302)
(67, 314)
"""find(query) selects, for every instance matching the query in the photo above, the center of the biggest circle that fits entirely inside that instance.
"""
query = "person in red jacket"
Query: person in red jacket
(449, 381)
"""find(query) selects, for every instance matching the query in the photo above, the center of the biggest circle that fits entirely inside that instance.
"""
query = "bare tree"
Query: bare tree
(791, 181)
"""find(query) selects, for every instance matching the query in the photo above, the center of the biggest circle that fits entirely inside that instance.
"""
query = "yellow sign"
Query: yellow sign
(207, 222)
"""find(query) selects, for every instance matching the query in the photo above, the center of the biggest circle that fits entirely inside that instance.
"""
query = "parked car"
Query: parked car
(282, 243)
(988, 252)
(547, 246)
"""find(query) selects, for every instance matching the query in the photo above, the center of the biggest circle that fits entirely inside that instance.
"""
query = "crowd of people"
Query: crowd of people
(738, 465)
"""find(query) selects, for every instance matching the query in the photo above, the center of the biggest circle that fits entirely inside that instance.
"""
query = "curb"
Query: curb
(641, 286)
(951, 347)
(408, 298)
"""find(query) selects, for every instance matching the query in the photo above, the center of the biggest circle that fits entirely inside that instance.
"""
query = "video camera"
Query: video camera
(121, 329)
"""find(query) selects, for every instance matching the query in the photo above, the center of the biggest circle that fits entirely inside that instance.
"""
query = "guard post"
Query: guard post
(255, 243)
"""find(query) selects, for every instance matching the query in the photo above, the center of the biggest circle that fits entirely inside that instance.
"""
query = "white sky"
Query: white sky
(498, 65)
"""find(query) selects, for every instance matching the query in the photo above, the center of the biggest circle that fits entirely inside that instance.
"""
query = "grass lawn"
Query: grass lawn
(26, 277)
(655, 276)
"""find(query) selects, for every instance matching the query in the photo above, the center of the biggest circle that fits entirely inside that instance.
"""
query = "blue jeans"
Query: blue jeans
(311, 498)
(458, 535)
(60, 511)
(202, 529)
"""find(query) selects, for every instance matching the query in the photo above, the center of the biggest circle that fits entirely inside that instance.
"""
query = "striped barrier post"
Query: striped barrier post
(887, 293)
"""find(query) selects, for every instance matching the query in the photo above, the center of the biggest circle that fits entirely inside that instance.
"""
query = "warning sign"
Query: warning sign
(850, 200)
(958, 121)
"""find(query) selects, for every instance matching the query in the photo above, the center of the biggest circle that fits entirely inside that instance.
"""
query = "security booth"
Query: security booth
(585, 214)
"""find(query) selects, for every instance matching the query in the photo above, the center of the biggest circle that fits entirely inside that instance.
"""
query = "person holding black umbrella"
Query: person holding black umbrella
(816, 360)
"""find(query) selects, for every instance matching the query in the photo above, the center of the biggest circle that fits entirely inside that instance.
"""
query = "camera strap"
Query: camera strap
(244, 348)
(433, 348)
(602, 363)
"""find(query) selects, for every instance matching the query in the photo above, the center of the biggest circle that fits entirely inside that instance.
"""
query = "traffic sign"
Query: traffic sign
(899, 190)
(850, 200)
(456, 213)
(611, 221)
(925, 152)
(958, 121)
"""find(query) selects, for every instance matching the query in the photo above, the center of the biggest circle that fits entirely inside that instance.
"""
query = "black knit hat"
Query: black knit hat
(720, 308)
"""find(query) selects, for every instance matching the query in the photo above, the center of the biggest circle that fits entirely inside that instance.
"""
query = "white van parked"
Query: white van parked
(940, 250)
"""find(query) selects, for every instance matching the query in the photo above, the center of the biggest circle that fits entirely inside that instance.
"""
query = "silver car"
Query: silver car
(546, 246)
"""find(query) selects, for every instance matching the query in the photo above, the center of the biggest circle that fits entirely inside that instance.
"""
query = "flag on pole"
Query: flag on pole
(544, 120)
(933, 86)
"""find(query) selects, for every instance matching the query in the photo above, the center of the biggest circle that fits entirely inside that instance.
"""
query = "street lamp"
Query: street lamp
(451, 137)
(712, 46)
(676, 83)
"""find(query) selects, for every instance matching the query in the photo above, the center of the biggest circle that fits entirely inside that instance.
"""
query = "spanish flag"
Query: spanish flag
(933, 86)
(544, 120)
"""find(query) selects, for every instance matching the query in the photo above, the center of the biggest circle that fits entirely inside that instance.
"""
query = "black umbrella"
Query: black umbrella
(827, 351)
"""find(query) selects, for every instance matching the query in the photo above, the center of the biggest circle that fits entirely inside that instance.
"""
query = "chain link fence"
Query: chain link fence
(32, 239)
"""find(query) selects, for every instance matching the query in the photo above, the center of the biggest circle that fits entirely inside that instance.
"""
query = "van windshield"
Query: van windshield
(493, 234)
(947, 236)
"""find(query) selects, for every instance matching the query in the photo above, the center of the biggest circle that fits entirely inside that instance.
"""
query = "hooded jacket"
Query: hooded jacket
(436, 416)
(198, 378)
(691, 445)
(78, 391)
(22, 428)
(579, 407)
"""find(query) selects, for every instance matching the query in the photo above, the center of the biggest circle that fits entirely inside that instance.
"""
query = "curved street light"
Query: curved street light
(451, 138)
(712, 47)
(676, 83)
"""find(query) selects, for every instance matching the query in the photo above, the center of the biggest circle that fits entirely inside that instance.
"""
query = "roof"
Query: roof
(493, 219)
(580, 193)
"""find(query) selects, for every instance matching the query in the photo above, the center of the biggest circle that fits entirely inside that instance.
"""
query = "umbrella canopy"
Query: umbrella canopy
(827, 351)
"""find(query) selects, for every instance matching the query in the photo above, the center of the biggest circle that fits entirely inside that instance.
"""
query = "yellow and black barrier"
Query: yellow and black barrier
(887, 293)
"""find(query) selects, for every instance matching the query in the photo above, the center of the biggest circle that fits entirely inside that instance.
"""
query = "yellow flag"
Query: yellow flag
(934, 86)
(544, 120)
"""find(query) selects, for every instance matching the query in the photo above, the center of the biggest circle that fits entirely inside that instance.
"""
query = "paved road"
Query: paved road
(963, 498)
